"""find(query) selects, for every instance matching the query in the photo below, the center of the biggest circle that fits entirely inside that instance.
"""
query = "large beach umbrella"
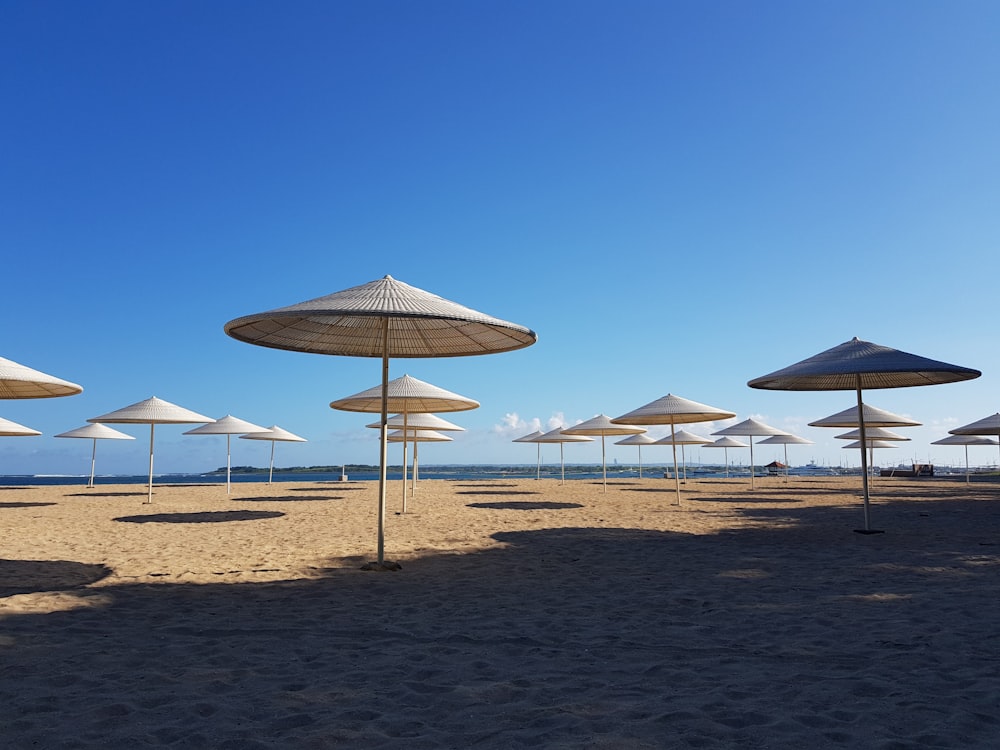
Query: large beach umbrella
(639, 439)
(384, 318)
(274, 434)
(531, 438)
(152, 411)
(673, 410)
(417, 422)
(19, 381)
(785, 440)
(558, 436)
(405, 394)
(13, 429)
(228, 426)
(857, 365)
(417, 436)
(986, 426)
(750, 428)
(726, 443)
(603, 426)
(682, 438)
(966, 441)
(95, 432)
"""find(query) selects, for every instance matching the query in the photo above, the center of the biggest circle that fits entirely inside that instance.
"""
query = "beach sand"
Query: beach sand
(527, 614)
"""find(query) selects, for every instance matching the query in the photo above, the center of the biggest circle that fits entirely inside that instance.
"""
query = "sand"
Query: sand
(527, 614)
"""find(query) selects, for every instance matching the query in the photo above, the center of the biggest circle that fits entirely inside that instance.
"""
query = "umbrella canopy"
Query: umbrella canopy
(152, 411)
(603, 426)
(384, 318)
(405, 394)
(726, 443)
(871, 433)
(530, 438)
(558, 436)
(228, 426)
(673, 410)
(856, 365)
(871, 444)
(986, 426)
(966, 441)
(785, 440)
(750, 428)
(872, 416)
(419, 421)
(95, 432)
(682, 438)
(18, 381)
(13, 429)
(273, 433)
(639, 439)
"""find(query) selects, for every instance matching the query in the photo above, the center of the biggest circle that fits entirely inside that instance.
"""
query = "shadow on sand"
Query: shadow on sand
(211, 516)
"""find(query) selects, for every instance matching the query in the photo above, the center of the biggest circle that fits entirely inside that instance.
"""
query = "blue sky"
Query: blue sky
(676, 196)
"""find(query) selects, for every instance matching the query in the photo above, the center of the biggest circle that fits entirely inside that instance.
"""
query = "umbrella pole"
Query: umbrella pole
(562, 464)
(864, 456)
(752, 471)
(413, 476)
(677, 479)
(228, 465)
(149, 498)
(404, 458)
(640, 460)
(786, 462)
(725, 452)
(270, 472)
(604, 464)
(93, 460)
(538, 461)
(684, 463)
(383, 439)
(966, 464)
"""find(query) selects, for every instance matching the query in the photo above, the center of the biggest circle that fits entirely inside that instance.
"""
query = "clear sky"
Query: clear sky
(676, 196)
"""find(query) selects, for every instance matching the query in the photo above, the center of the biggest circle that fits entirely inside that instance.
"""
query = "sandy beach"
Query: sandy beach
(526, 614)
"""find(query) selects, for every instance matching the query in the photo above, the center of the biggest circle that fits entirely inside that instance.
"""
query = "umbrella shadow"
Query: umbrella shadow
(212, 516)
(30, 576)
(526, 505)
(106, 494)
(12, 487)
(499, 492)
(488, 484)
(24, 505)
(288, 498)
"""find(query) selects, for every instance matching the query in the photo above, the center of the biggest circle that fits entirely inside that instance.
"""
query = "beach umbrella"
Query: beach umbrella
(603, 426)
(95, 432)
(531, 438)
(750, 428)
(228, 426)
(274, 434)
(726, 443)
(384, 318)
(872, 433)
(152, 411)
(872, 416)
(417, 437)
(405, 394)
(639, 439)
(673, 410)
(856, 366)
(785, 440)
(966, 441)
(986, 426)
(417, 422)
(558, 436)
(13, 429)
(682, 438)
(18, 381)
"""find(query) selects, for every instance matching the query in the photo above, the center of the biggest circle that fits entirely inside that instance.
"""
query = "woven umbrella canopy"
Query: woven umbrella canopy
(558, 436)
(421, 421)
(966, 441)
(19, 381)
(228, 426)
(785, 440)
(274, 434)
(13, 429)
(94, 432)
(531, 438)
(986, 426)
(673, 410)
(751, 428)
(857, 365)
(384, 318)
(872, 416)
(872, 433)
(603, 426)
(682, 438)
(726, 443)
(639, 439)
(152, 411)
(405, 394)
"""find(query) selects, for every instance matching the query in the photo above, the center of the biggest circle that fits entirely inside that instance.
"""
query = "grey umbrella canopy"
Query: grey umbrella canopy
(405, 394)
(603, 426)
(228, 426)
(966, 441)
(750, 428)
(13, 429)
(94, 432)
(274, 434)
(673, 410)
(785, 440)
(682, 438)
(531, 438)
(986, 426)
(726, 443)
(152, 411)
(384, 318)
(639, 439)
(558, 436)
(19, 381)
(857, 365)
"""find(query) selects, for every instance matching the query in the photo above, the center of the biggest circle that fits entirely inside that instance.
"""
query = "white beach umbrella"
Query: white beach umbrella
(405, 394)
(673, 410)
(13, 429)
(750, 428)
(558, 436)
(871, 444)
(95, 432)
(274, 434)
(682, 438)
(785, 440)
(872, 433)
(603, 426)
(18, 381)
(152, 411)
(966, 441)
(639, 439)
(416, 422)
(986, 426)
(856, 365)
(531, 437)
(726, 443)
(872, 416)
(418, 436)
(228, 426)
